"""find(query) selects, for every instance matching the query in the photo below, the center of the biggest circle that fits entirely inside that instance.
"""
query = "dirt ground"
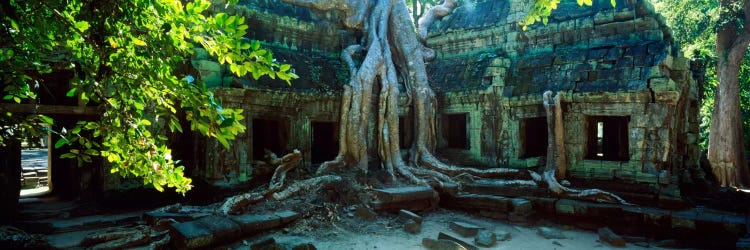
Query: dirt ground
(387, 233)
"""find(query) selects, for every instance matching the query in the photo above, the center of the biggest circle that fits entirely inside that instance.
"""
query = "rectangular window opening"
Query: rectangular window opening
(608, 138)
(325, 145)
(455, 130)
(271, 134)
(533, 137)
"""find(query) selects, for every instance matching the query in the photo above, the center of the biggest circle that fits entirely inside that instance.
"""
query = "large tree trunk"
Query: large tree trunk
(392, 48)
(725, 148)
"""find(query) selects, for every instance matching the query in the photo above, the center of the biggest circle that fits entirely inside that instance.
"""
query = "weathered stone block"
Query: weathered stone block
(485, 239)
(466, 245)
(406, 215)
(405, 193)
(412, 227)
(256, 223)
(606, 235)
(366, 213)
(204, 232)
(465, 229)
(441, 244)
(550, 233)
(522, 206)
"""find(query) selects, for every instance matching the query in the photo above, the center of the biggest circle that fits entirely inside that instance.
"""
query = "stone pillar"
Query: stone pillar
(10, 179)
(65, 173)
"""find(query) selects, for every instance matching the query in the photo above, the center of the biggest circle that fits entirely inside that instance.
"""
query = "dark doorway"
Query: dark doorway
(270, 134)
(533, 136)
(325, 144)
(405, 136)
(607, 138)
(454, 130)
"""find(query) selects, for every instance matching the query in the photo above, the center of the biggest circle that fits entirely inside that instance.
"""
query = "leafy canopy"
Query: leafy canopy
(129, 58)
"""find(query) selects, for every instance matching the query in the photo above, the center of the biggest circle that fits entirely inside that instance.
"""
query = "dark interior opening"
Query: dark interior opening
(325, 144)
(533, 133)
(270, 134)
(607, 138)
(455, 132)
(405, 137)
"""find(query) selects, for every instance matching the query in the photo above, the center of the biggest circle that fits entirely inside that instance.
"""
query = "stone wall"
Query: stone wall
(607, 62)
(297, 110)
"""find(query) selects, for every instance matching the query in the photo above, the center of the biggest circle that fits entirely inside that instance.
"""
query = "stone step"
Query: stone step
(414, 198)
(52, 226)
(388, 195)
(213, 230)
(503, 189)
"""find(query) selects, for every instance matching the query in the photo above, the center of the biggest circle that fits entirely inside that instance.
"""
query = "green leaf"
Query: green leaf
(67, 156)
(580, 2)
(285, 67)
(13, 24)
(84, 98)
(138, 42)
(138, 105)
(227, 122)
(71, 92)
(145, 122)
(46, 119)
(61, 142)
(82, 25)
(613, 2)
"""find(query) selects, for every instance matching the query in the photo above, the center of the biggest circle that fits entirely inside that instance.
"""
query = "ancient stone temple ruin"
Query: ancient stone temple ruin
(625, 121)
(629, 100)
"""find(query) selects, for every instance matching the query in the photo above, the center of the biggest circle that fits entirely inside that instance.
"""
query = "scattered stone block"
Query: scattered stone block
(210, 230)
(404, 193)
(503, 236)
(305, 246)
(607, 235)
(441, 244)
(263, 244)
(485, 238)
(522, 206)
(466, 245)
(413, 227)
(668, 243)
(189, 235)
(465, 229)
(417, 198)
(634, 239)
(407, 215)
(550, 233)
(256, 223)
(366, 213)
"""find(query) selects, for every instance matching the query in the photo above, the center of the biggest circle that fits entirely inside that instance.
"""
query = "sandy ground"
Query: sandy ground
(388, 233)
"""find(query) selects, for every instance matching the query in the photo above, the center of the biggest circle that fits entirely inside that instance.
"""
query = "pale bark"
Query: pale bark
(725, 148)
